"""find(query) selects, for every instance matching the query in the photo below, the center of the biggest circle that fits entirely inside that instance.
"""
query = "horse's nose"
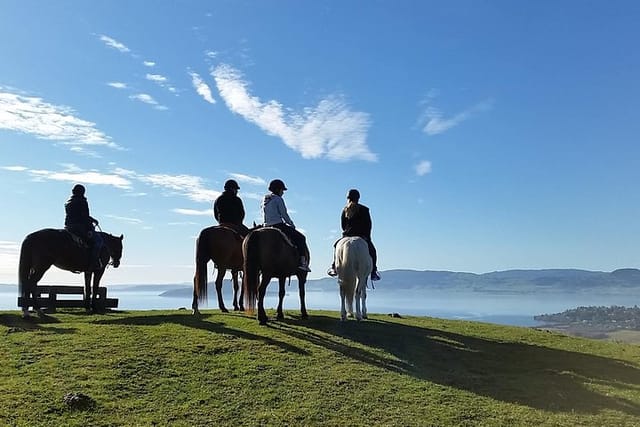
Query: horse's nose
(116, 264)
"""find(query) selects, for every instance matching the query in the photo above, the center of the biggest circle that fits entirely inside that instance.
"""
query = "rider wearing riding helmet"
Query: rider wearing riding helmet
(79, 222)
(274, 214)
(228, 209)
(356, 221)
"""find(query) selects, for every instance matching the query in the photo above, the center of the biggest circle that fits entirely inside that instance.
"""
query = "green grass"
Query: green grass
(151, 368)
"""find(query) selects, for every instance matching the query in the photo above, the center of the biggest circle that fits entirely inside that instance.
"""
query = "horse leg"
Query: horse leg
(301, 292)
(87, 291)
(363, 295)
(262, 290)
(241, 297)
(234, 279)
(358, 292)
(343, 308)
(32, 290)
(97, 306)
(219, 279)
(281, 293)
(194, 304)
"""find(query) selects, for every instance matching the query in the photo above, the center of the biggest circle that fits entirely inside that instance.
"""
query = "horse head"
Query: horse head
(114, 244)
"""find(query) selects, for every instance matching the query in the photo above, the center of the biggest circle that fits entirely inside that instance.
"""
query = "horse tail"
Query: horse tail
(24, 267)
(202, 259)
(251, 253)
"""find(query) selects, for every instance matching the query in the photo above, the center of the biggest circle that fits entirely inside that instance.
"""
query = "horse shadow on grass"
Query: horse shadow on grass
(514, 372)
(15, 323)
(202, 322)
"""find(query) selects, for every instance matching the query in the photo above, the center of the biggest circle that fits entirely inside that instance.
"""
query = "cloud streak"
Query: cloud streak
(202, 88)
(112, 43)
(423, 168)
(34, 116)
(187, 185)
(149, 100)
(328, 130)
(437, 123)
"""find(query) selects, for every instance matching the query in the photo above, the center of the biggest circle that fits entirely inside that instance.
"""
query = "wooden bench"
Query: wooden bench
(51, 301)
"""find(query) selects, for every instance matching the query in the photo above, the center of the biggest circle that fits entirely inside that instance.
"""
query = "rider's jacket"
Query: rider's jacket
(228, 209)
(358, 224)
(77, 218)
(274, 211)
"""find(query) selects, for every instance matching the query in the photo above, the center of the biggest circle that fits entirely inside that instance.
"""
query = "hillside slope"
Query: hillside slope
(170, 368)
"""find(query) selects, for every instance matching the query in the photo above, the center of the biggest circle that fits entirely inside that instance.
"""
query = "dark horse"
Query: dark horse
(44, 248)
(223, 245)
(267, 253)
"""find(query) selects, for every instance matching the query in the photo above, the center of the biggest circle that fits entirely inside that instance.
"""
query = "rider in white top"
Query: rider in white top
(274, 211)
(274, 214)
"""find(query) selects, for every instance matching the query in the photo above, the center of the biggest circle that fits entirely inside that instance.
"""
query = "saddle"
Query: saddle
(77, 240)
(230, 227)
(282, 233)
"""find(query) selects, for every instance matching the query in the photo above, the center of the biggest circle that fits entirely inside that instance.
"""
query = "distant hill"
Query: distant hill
(554, 280)
(512, 281)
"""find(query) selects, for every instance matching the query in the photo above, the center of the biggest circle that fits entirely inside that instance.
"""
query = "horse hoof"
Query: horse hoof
(25, 314)
(304, 316)
(224, 310)
(195, 312)
(40, 313)
(263, 323)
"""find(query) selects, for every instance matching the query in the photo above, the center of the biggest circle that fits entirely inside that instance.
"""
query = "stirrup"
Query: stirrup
(332, 272)
(304, 268)
(375, 276)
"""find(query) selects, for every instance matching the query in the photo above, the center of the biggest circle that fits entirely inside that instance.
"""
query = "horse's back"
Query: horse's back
(352, 256)
(223, 245)
(269, 249)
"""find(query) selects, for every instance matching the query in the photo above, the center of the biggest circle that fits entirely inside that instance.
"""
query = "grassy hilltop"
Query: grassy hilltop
(161, 368)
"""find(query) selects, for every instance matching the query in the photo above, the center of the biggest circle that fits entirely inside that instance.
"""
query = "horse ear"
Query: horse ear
(121, 236)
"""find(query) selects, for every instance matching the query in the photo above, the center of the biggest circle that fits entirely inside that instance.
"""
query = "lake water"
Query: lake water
(506, 309)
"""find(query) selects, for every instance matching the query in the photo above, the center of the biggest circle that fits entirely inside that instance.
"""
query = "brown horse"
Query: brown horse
(44, 248)
(223, 246)
(267, 253)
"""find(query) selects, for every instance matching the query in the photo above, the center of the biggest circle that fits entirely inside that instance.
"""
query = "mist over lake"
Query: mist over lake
(511, 297)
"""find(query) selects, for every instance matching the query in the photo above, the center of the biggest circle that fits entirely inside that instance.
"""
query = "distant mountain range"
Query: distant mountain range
(512, 281)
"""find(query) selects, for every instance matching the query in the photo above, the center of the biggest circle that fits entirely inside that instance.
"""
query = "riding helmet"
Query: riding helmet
(354, 195)
(78, 190)
(276, 185)
(231, 184)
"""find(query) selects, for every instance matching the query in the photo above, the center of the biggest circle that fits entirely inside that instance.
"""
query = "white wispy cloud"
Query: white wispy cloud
(436, 123)
(114, 44)
(189, 186)
(117, 85)
(253, 180)
(211, 54)
(202, 88)
(329, 130)
(162, 81)
(33, 115)
(75, 175)
(125, 219)
(423, 168)
(15, 168)
(193, 212)
(148, 99)
(158, 78)
(149, 63)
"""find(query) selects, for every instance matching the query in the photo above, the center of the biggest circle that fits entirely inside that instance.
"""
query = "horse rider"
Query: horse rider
(356, 221)
(228, 209)
(274, 214)
(79, 222)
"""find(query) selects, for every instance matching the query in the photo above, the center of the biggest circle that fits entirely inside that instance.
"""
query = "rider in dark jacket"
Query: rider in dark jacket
(79, 222)
(228, 208)
(356, 221)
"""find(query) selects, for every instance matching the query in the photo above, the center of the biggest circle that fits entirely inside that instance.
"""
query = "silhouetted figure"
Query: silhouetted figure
(79, 222)
(228, 209)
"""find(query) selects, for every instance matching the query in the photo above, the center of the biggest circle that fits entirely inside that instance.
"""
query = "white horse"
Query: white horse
(353, 264)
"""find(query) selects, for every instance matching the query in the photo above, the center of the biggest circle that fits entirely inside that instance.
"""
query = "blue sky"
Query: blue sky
(482, 135)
